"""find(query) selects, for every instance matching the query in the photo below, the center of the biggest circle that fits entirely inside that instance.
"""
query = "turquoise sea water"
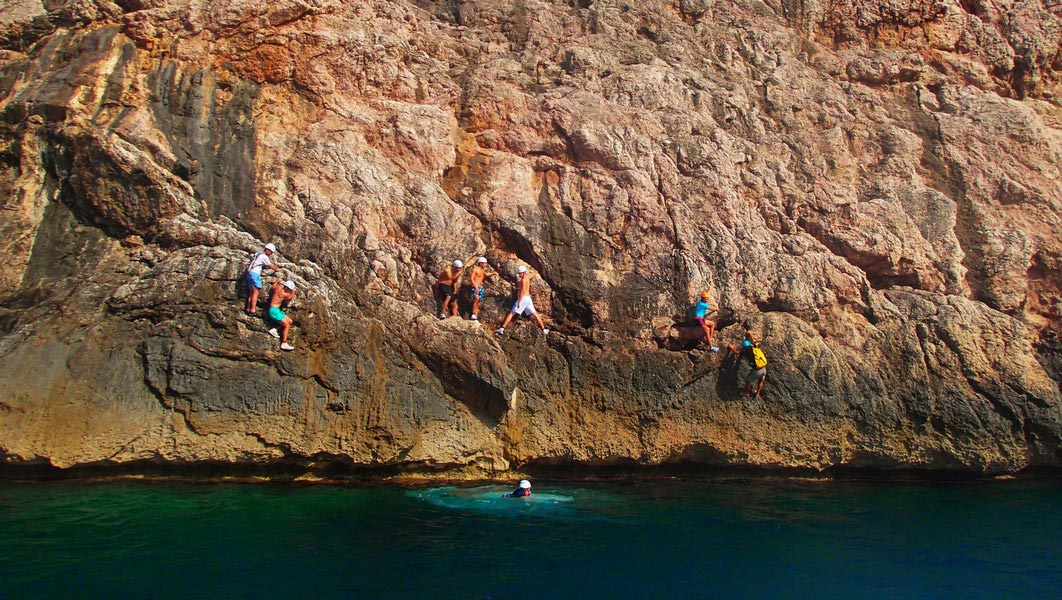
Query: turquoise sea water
(763, 539)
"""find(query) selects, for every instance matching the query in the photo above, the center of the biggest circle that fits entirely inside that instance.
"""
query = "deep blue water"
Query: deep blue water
(758, 539)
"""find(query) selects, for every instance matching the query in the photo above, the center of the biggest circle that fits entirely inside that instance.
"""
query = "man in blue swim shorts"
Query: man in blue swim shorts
(254, 276)
(446, 287)
(480, 272)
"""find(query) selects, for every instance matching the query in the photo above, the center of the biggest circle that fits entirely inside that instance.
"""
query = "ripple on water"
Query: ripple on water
(491, 499)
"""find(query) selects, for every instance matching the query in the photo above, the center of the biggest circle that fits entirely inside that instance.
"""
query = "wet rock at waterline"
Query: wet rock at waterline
(874, 189)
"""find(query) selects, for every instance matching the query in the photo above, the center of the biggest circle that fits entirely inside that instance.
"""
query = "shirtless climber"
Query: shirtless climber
(480, 272)
(446, 287)
(281, 293)
(524, 304)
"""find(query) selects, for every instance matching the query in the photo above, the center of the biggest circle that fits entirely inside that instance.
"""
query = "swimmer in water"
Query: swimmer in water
(522, 491)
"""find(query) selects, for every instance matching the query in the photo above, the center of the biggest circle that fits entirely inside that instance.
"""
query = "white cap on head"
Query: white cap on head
(271, 247)
(482, 260)
(289, 284)
(525, 484)
(458, 264)
(521, 269)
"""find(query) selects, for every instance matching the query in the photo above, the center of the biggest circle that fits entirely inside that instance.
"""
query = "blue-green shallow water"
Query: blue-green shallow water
(664, 540)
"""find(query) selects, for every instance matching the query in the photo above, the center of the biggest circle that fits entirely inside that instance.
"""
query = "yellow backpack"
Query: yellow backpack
(758, 357)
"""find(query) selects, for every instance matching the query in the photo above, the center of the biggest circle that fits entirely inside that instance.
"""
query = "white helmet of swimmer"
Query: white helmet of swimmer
(525, 484)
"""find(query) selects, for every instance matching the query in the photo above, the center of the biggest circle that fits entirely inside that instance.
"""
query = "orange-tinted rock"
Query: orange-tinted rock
(872, 187)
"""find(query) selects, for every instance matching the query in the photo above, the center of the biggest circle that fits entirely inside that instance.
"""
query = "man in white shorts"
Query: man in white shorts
(524, 305)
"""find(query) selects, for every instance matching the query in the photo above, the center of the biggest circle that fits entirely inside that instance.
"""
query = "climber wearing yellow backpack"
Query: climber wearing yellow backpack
(757, 360)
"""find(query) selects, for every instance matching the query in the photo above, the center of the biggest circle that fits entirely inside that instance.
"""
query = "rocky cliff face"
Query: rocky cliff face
(872, 187)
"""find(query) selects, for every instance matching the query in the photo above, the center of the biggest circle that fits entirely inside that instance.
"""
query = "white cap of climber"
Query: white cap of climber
(521, 269)
(525, 484)
(271, 247)
(289, 284)
(482, 260)
(458, 264)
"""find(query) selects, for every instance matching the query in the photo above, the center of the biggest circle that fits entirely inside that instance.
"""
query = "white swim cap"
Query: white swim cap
(521, 269)
(482, 260)
(289, 284)
(271, 247)
(458, 264)
(525, 484)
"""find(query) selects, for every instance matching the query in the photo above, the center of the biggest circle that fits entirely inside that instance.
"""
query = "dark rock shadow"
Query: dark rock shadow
(463, 298)
(729, 383)
(485, 401)
(438, 298)
(485, 396)
(242, 289)
(701, 454)
(690, 336)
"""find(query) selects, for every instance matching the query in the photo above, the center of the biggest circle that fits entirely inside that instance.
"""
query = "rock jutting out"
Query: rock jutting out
(872, 188)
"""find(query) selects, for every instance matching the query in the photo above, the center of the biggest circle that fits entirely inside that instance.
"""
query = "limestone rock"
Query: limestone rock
(872, 187)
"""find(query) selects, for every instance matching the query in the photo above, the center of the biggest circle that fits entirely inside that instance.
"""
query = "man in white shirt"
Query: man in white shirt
(254, 276)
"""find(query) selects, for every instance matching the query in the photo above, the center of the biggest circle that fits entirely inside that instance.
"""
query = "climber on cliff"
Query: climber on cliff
(282, 292)
(254, 276)
(446, 287)
(700, 314)
(476, 277)
(522, 491)
(524, 304)
(757, 360)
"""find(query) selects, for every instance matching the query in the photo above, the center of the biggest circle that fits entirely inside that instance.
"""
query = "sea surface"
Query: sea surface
(732, 539)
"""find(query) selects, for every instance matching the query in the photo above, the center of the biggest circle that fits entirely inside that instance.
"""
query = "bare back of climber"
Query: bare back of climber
(480, 272)
(282, 292)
